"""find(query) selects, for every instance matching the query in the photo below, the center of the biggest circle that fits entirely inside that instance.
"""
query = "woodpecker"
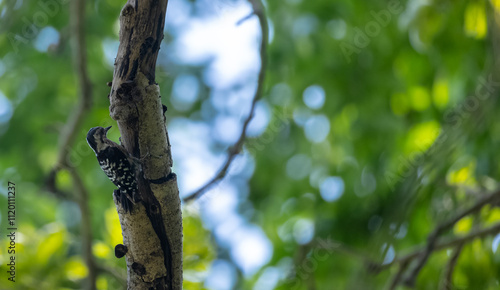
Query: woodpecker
(118, 165)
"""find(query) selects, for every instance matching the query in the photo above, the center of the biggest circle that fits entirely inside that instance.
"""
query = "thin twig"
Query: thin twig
(86, 228)
(399, 275)
(450, 242)
(339, 247)
(120, 277)
(302, 259)
(404, 261)
(258, 9)
(51, 186)
(450, 267)
(239, 22)
(440, 229)
(78, 115)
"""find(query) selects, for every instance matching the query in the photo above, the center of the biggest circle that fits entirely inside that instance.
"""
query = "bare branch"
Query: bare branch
(447, 282)
(397, 278)
(51, 186)
(451, 242)
(346, 250)
(86, 228)
(120, 277)
(420, 251)
(441, 228)
(404, 261)
(78, 115)
(258, 9)
(68, 135)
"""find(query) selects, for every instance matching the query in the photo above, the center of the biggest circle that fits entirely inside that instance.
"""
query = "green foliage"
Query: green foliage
(411, 135)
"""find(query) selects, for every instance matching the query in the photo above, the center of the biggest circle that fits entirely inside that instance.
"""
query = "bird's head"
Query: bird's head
(96, 137)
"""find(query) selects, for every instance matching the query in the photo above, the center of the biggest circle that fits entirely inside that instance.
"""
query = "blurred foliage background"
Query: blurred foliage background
(377, 124)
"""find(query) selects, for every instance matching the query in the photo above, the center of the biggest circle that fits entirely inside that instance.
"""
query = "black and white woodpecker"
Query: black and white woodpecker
(118, 165)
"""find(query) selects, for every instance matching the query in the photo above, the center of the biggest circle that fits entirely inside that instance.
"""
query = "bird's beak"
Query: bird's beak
(107, 129)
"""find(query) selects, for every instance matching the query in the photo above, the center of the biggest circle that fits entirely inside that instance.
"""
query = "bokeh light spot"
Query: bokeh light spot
(332, 188)
(317, 128)
(6, 109)
(440, 93)
(47, 36)
(475, 20)
(495, 243)
(185, 92)
(419, 97)
(298, 166)
(336, 28)
(304, 25)
(303, 231)
(314, 97)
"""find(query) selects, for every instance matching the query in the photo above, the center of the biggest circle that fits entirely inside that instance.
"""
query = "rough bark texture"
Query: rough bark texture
(152, 232)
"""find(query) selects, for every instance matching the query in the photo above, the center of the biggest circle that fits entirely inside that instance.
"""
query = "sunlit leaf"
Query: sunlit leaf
(419, 97)
(463, 226)
(113, 227)
(76, 269)
(51, 244)
(475, 20)
(421, 136)
(101, 250)
(440, 93)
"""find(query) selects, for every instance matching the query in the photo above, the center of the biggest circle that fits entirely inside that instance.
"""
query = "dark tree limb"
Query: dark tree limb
(440, 245)
(68, 136)
(119, 276)
(424, 251)
(447, 283)
(258, 9)
(441, 228)
(81, 198)
(51, 186)
(76, 118)
(404, 261)
(397, 278)
(152, 232)
(86, 227)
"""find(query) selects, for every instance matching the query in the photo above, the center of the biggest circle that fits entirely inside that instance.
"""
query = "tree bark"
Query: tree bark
(152, 232)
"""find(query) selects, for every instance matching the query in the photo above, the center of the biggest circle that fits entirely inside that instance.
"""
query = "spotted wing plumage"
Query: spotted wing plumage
(121, 172)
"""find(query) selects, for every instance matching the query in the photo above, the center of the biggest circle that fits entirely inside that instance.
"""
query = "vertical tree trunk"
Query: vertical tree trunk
(152, 232)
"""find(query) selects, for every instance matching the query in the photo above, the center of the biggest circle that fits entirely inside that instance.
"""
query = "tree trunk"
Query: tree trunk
(152, 232)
